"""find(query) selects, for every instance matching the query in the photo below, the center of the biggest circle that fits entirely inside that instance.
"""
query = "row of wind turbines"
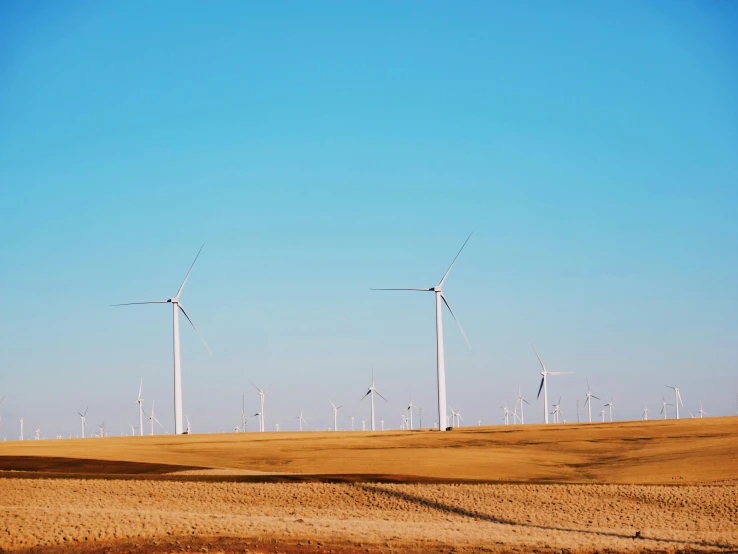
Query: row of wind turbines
(443, 409)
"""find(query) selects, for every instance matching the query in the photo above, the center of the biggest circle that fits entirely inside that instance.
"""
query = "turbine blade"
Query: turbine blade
(586, 401)
(443, 280)
(367, 394)
(380, 395)
(195, 328)
(524, 400)
(561, 373)
(539, 360)
(140, 388)
(540, 388)
(188, 273)
(456, 320)
(87, 408)
(597, 397)
(135, 303)
(423, 290)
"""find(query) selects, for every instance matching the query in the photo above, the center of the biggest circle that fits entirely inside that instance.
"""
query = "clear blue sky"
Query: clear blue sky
(323, 148)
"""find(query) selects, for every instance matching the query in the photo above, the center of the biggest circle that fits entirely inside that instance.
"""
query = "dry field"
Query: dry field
(656, 486)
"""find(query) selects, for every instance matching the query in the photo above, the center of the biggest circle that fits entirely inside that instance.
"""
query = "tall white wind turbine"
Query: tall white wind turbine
(440, 361)
(664, 404)
(521, 400)
(410, 408)
(677, 399)
(262, 400)
(610, 405)
(588, 402)
(83, 417)
(702, 412)
(140, 409)
(335, 414)
(176, 308)
(544, 383)
(153, 419)
(302, 419)
(372, 391)
(645, 413)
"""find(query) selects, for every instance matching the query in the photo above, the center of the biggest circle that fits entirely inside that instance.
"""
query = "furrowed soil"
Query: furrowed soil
(633, 486)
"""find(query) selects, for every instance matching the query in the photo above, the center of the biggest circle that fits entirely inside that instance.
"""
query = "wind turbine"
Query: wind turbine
(176, 308)
(302, 419)
(262, 399)
(335, 414)
(505, 413)
(352, 423)
(453, 416)
(588, 402)
(133, 429)
(38, 433)
(645, 413)
(381, 421)
(410, 409)
(664, 404)
(140, 409)
(372, 391)
(153, 419)
(21, 421)
(544, 383)
(521, 400)
(557, 410)
(243, 413)
(602, 413)
(610, 405)
(84, 420)
(438, 291)
(702, 412)
(363, 424)
(189, 429)
(678, 399)
(458, 418)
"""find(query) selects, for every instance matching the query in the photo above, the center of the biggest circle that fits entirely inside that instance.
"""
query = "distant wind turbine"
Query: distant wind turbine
(440, 298)
(176, 308)
(645, 413)
(588, 402)
(702, 412)
(544, 383)
(664, 404)
(140, 408)
(520, 401)
(335, 414)
(610, 405)
(301, 419)
(602, 413)
(152, 419)
(21, 422)
(262, 400)
(83, 417)
(372, 391)
(410, 408)
(677, 399)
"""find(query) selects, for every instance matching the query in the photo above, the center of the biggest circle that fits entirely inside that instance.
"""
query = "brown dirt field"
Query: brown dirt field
(576, 488)
(684, 451)
(66, 512)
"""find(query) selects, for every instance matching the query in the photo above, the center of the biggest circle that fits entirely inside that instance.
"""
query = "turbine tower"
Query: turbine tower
(84, 420)
(610, 405)
(544, 383)
(588, 402)
(677, 399)
(664, 404)
(262, 400)
(521, 400)
(372, 391)
(176, 308)
(140, 409)
(441, 367)
(410, 409)
(335, 414)
(702, 412)
(302, 419)
(645, 413)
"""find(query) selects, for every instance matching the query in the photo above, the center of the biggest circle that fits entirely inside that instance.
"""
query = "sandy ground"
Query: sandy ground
(684, 451)
(626, 487)
(48, 512)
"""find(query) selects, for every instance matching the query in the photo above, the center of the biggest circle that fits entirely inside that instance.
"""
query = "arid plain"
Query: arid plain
(630, 486)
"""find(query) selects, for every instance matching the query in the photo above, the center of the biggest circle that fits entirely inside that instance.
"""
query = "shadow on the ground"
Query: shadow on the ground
(449, 509)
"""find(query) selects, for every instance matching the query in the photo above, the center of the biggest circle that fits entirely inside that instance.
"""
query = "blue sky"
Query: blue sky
(324, 148)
